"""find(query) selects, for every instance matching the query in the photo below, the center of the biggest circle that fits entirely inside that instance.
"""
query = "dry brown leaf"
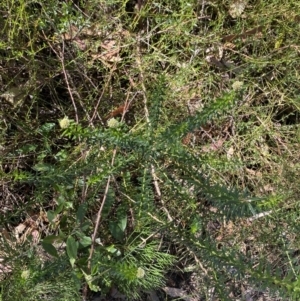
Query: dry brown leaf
(81, 44)
(35, 236)
(217, 145)
(237, 8)
(229, 45)
(112, 51)
(70, 34)
(213, 146)
(251, 171)
(74, 34)
(19, 230)
(230, 153)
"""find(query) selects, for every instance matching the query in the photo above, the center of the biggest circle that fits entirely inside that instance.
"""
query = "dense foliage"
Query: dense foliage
(144, 142)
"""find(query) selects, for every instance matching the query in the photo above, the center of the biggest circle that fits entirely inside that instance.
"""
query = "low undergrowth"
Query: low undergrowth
(143, 142)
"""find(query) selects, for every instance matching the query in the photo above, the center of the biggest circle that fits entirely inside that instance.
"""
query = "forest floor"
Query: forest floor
(147, 120)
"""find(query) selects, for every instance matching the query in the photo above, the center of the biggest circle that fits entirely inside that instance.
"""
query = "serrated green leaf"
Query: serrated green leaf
(50, 249)
(28, 148)
(111, 249)
(122, 223)
(42, 167)
(72, 261)
(72, 248)
(116, 231)
(51, 238)
(47, 127)
(51, 215)
(62, 235)
(85, 241)
(59, 208)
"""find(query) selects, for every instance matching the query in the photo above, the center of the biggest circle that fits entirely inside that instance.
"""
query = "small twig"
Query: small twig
(197, 260)
(75, 92)
(92, 249)
(158, 192)
(61, 58)
(99, 214)
(259, 215)
(95, 88)
(202, 8)
(67, 78)
(81, 11)
(155, 218)
(100, 97)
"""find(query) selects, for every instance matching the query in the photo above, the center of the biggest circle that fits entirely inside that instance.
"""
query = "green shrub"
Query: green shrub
(176, 185)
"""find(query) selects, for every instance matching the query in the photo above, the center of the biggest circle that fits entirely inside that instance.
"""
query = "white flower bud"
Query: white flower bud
(113, 123)
(64, 123)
